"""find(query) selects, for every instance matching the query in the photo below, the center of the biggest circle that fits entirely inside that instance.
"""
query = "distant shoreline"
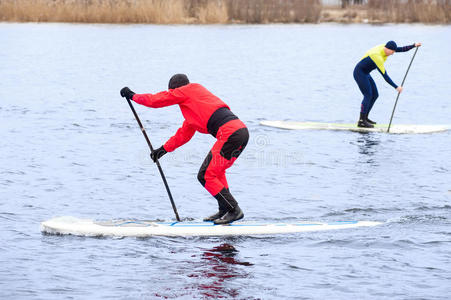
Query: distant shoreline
(222, 12)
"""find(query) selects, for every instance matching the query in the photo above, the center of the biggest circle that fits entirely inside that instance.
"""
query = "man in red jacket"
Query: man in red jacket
(205, 113)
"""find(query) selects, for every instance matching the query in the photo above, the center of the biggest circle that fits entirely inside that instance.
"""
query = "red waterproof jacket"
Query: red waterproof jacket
(196, 103)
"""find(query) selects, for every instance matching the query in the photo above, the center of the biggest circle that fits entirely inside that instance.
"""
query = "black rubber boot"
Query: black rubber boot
(370, 121)
(217, 215)
(232, 215)
(226, 202)
(363, 121)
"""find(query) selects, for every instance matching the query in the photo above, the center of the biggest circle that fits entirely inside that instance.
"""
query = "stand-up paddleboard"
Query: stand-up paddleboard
(397, 128)
(137, 228)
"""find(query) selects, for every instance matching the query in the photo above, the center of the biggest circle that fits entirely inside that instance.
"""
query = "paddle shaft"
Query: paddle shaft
(156, 160)
(402, 84)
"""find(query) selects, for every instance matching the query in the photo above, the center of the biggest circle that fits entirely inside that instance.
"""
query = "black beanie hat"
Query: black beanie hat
(391, 45)
(178, 80)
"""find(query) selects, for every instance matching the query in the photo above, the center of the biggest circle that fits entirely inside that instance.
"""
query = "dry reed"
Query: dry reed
(160, 11)
(220, 11)
(270, 11)
(402, 11)
(94, 11)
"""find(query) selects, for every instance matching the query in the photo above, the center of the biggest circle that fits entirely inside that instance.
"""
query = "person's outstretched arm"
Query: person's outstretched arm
(161, 99)
(407, 48)
(181, 137)
(387, 78)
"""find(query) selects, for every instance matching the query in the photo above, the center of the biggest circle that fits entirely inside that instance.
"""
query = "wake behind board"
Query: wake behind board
(137, 228)
(395, 128)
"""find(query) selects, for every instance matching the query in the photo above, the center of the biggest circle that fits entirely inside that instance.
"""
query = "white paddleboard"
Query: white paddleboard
(395, 128)
(137, 228)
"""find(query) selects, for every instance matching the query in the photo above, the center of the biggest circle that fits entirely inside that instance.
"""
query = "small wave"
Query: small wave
(367, 243)
(7, 216)
(121, 125)
(363, 211)
(358, 210)
(435, 243)
(6, 182)
(416, 219)
(444, 207)
(444, 233)
(335, 242)
(7, 172)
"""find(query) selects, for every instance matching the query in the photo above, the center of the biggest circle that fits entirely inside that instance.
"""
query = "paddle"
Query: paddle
(156, 160)
(402, 84)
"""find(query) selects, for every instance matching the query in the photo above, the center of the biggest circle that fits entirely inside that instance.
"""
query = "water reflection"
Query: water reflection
(225, 253)
(366, 162)
(216, 271)
(367, 146)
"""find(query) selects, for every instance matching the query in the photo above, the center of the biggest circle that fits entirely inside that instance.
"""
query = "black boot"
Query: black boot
(232, 215)
(226, 202)
(363, 121)
(370, 121)
(217, 215)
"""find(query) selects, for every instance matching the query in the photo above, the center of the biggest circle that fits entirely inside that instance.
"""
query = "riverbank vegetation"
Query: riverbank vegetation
(388, 11)
(225, 11)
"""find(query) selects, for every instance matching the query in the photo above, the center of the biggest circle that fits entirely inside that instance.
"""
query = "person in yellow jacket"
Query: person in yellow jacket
(374, 58)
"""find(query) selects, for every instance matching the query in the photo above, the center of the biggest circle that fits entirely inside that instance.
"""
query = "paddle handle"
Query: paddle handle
(156, 160)
(402, 84)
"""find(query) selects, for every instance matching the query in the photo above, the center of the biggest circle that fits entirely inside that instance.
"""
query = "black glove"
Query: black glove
(127, 93)
(157, 153)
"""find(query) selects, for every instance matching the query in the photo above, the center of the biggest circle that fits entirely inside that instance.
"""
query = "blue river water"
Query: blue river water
(70, 147)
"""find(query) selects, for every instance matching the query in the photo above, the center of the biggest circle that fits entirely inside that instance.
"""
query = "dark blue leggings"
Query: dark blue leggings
(368, 88)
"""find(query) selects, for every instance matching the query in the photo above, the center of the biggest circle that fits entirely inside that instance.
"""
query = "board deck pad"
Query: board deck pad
(143, 228)
(395, 128)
